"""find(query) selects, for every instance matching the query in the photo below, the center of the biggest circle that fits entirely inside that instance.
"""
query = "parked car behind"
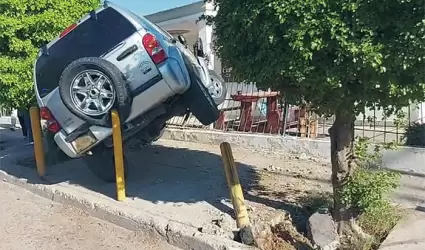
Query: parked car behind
(115, 59)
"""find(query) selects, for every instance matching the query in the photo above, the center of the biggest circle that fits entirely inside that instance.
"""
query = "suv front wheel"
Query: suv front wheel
(217, 88)
(198, 99)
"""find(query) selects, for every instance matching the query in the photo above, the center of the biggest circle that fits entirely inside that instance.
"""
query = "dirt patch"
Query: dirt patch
(284, 236)
(297, 185)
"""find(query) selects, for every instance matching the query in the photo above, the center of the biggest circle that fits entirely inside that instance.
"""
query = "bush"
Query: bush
(415, 135)
(367, 194)
(368, 156)
(380, 219)
(367, 189)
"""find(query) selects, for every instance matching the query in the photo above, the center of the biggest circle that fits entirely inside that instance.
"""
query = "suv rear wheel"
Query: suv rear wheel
(102, 163)
(90, 87)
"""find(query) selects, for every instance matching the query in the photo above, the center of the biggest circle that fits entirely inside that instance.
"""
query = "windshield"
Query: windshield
(91, 38)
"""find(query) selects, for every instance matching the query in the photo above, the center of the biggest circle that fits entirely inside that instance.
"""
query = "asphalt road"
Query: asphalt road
(30, 222)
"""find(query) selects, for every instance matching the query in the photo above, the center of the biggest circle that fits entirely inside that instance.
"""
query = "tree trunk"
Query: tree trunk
(342, 158)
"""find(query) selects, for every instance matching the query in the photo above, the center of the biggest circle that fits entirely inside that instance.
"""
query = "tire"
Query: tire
(160, 134)
(102, 163)
(199, 100)
(220, 90)
(53, 154)
(119, 98)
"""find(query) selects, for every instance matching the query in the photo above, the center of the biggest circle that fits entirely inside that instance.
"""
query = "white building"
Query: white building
(185, 20)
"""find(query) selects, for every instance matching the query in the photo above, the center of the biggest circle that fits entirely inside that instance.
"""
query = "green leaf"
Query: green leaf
(26, 25)
(331, 54)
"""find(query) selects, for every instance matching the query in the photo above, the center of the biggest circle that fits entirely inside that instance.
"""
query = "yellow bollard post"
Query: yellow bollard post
(38, 141)
(242, 219)
(118, 156)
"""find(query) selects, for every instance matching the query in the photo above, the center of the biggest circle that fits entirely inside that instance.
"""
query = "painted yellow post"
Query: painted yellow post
(242, 219)
(118, 156)
(38, 141)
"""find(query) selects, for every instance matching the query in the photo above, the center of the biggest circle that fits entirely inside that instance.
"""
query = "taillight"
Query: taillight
(52, 125)
(154, 49)
(67, 30)
(45, 114)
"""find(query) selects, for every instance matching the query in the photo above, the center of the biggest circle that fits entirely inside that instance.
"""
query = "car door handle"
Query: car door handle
(127, 52)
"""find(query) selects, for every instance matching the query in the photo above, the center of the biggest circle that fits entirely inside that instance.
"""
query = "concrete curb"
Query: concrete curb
(408, 159)
(174, 232)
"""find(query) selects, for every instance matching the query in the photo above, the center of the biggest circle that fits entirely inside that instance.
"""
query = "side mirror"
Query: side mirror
(182, 40)
(199, 48)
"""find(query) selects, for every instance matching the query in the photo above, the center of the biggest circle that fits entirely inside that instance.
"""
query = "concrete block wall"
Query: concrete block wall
(408, 159)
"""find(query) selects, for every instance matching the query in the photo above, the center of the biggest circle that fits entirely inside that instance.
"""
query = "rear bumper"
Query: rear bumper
(94, 136)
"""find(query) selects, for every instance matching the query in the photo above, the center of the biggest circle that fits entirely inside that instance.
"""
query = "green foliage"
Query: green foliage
(367, 189)
(376, 223)
(26, 25)
(379, 221)
(367, 193)
(370, 156)
(368, 185)
(415, 135)
(333, 54)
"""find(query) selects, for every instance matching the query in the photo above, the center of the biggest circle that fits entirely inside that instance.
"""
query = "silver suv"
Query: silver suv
(115, 59)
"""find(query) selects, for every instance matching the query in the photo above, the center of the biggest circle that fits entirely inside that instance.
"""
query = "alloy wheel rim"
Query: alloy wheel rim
(92, 92)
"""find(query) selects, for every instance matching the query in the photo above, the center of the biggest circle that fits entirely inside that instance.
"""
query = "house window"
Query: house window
(226, 74)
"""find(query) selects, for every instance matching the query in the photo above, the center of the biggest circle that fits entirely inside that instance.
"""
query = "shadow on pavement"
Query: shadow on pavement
(161, 175)
(409, 173)
(420, 208)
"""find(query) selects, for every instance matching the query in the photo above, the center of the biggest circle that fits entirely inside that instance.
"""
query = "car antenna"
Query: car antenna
(44, 50)
(93, 14)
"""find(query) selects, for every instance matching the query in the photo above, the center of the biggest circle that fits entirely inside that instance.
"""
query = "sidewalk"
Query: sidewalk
(12, 142)
(408, 234)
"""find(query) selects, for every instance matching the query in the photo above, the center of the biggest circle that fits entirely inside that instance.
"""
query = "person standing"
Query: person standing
(19, 115)
(13, 117)
(21, 112)
(27, 121)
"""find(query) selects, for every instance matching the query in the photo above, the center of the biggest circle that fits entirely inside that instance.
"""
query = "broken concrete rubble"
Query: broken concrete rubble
(321, 230)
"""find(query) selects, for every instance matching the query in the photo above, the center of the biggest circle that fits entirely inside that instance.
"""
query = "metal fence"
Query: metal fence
(5, 112)
(250, 110)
